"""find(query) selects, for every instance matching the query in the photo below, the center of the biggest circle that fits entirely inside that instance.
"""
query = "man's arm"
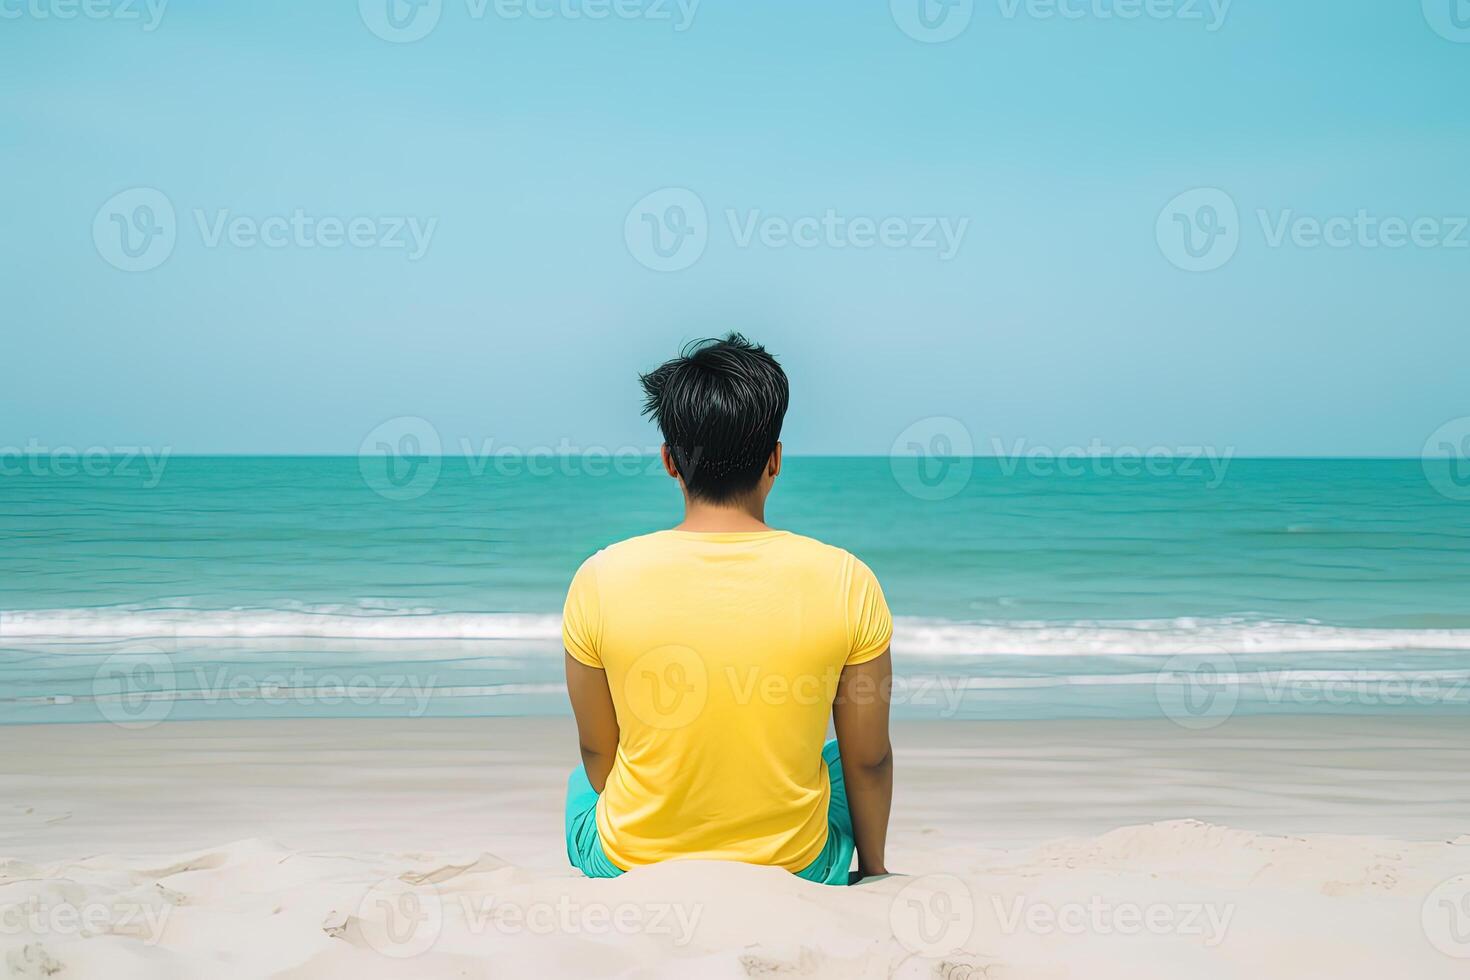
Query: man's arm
(860, 715)
(597, 720)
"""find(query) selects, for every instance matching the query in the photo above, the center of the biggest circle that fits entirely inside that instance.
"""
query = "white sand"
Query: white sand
(432, 848)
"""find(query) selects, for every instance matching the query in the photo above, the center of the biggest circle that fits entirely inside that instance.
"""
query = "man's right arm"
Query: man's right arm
(860, 716)
(597, 719)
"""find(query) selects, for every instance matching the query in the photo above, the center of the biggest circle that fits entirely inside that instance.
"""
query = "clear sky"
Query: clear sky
(982, 222)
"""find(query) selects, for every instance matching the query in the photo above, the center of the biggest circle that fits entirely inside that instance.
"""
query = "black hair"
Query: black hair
(720, 405)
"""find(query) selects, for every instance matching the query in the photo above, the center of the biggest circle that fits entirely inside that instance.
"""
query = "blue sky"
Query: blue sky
(1057, 312)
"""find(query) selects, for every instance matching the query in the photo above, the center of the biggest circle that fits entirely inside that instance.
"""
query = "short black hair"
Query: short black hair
(719, 405)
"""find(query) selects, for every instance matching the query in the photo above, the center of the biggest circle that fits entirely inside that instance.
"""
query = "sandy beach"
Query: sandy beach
(432, 848)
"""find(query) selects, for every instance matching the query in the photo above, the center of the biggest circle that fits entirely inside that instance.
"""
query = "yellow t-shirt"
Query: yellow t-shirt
(722, 652)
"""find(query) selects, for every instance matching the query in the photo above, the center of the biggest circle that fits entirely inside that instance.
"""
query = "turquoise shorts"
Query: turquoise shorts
(584, 847)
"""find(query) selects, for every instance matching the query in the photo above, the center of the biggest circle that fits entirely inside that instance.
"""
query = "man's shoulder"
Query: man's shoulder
(819, 550)
(620, 551)
(656, 546)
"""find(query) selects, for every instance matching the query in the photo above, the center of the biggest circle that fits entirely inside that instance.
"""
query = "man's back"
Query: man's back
(722, 653)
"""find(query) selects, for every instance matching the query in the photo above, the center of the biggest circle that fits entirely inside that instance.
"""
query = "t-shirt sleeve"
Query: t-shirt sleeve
(868, 621)
(581, 617)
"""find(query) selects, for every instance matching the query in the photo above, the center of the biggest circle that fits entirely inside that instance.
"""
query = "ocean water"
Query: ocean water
(259, 587)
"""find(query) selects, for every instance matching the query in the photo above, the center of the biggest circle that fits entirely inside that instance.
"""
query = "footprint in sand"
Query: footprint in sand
(31, 961)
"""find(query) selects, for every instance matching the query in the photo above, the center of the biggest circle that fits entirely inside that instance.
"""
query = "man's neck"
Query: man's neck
(714, 518)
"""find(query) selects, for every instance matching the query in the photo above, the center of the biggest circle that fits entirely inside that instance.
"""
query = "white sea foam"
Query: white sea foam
(912, 636)
(1161, 637)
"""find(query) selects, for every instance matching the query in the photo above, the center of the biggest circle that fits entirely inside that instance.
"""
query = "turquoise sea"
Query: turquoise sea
(213, 587)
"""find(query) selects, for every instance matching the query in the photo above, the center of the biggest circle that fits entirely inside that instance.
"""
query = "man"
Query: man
(703, 662)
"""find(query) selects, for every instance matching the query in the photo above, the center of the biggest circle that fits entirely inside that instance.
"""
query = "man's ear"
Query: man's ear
(773, 465)
(668, 458)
